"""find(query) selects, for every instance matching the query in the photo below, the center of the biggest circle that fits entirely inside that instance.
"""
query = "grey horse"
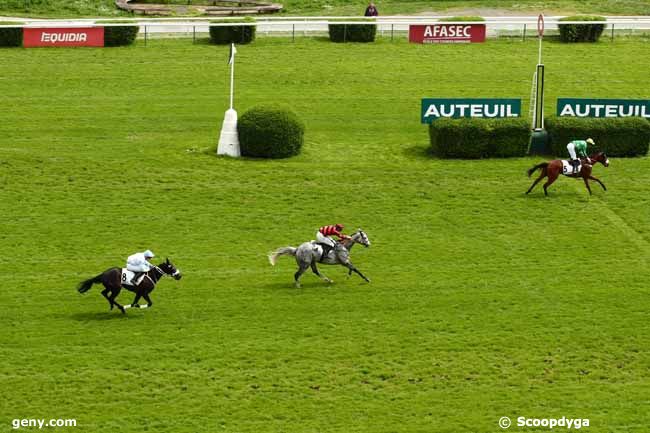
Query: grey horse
(310, 253)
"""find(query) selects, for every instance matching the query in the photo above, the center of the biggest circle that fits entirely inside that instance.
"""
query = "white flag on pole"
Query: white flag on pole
(233, 51)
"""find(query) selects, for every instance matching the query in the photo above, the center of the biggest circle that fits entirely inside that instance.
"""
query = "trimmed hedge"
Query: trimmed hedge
(619, 136)
(11, 36)
(470, 138)
(353, 32)
(267, 131)
(222, 35)
(581, 32)
(115, 36)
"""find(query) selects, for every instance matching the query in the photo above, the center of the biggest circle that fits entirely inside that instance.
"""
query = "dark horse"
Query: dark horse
(112, 281)
(553, 169)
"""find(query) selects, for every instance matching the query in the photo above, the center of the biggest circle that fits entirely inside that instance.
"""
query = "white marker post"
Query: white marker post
(538, 144)
(538, 114)
(229, 140)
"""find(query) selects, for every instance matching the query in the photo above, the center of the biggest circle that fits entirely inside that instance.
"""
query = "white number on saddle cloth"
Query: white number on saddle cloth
(127, 276)
(567, 168)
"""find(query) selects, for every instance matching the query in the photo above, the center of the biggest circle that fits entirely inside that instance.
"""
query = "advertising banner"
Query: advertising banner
(446, 33)
(456, 108)
(63, 37)
(573, 107)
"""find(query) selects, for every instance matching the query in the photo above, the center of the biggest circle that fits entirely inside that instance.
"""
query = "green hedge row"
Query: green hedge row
(11, 36)
(470, 138)
(222, 35)
(116, 36)
(620, 136)
(353, 32)
(581, 32)
(270, 132)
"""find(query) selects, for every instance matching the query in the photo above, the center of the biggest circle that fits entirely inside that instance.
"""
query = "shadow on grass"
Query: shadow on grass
(418, 151)
(100, 316)
(306, 285)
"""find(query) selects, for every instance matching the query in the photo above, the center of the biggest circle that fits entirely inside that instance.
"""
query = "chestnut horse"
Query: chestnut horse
(553, 169)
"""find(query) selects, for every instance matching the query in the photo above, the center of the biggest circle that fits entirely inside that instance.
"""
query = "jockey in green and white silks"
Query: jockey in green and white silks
(139, 263)
(578, 149)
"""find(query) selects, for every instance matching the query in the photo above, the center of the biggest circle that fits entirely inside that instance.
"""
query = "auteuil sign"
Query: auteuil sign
(456, 108)
(572, 107)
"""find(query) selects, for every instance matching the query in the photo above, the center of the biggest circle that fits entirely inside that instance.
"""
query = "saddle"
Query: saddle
(127, 278)
(325, 250)
(567, 168)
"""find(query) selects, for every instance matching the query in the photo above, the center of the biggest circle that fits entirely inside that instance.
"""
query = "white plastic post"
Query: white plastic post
(229, 140)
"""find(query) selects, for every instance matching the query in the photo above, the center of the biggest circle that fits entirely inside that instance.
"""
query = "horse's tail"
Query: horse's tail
(286, 251)
(84, 286)
(532, 169)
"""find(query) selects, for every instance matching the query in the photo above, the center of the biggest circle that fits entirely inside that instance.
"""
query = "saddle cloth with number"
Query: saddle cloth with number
(127, 277)
(567, 168)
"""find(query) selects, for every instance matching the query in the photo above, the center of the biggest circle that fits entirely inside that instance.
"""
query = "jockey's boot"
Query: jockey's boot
(575, 163)
(136, 277)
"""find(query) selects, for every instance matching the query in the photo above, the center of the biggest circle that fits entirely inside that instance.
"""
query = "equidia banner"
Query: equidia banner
(63, 37)
(456, 108)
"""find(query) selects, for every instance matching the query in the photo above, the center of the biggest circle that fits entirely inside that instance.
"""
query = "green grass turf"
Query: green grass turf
(66, 8)
(484, 302)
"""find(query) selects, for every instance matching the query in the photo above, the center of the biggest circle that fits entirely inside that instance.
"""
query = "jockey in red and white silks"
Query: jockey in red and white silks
(323, 235)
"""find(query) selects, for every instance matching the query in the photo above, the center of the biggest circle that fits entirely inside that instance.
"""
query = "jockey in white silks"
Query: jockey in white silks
(139, 263)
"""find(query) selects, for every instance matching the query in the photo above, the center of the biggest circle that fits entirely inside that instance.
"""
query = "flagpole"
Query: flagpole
(232, 77)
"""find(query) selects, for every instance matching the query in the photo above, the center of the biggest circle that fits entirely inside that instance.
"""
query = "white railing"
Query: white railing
(524, 25)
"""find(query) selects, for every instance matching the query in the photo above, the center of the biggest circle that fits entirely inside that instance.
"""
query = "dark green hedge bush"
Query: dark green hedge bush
(620, 136)
(270, 132)
(581, 32)
(11, 36)
(222, 35)
(115, 36)
(353, 32)
(469, 138)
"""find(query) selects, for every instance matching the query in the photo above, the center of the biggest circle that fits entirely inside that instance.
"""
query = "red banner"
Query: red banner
(446, 33)
(63, 37)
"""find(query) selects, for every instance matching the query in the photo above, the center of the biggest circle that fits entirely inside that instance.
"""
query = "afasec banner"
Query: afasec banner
(572, 107)
(446, 33)
(63, 37)
(456, 108)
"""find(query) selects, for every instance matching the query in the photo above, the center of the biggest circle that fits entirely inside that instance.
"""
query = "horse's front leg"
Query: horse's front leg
(598, 180)
(351, 267)
(138, 295)
(586, 179)
(148, 299)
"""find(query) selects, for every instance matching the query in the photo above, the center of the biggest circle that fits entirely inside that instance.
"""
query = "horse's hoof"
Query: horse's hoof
(122, 310)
